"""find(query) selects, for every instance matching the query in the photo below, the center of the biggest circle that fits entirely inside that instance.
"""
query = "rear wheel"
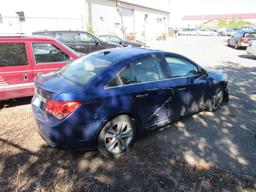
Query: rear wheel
(116, 136)
(228, 43)
(217, 99)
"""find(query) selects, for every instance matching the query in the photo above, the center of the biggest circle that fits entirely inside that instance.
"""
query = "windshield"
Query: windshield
(84, 69)
(68, 48)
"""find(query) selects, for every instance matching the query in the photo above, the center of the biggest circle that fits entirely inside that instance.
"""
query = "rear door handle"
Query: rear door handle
(181, 89)
(142, 95)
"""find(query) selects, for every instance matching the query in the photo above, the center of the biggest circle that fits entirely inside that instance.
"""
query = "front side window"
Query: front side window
(181, 68)
(84, 38)
(103, 38)
(48, 53)
(13, 54)
(114, 40)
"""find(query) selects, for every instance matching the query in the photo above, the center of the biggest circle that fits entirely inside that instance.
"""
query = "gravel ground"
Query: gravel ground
(203, 152)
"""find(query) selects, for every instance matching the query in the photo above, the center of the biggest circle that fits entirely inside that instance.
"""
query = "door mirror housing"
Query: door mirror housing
(202, 71)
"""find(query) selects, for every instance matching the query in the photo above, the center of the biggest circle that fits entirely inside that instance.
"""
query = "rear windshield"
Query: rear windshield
(84, 69)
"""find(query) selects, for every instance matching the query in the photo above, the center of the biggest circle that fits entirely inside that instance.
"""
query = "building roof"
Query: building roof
(220, 16)
(143, 5)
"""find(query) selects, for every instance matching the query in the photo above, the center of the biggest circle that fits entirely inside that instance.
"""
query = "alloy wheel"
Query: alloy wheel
(217, 98)
(118, 137)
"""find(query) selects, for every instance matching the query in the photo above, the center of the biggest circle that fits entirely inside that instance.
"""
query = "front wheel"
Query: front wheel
(217, 99)
(116, 136)
(236, 46)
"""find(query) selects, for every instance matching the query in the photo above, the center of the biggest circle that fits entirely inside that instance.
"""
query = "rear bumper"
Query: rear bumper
(243, 44)
(47, 133)
(69, 133)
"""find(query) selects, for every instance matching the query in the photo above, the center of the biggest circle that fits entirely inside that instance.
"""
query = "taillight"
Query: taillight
(244, 39)
(61, 109)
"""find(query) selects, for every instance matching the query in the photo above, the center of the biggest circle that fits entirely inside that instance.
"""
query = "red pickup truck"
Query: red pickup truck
(23, 58)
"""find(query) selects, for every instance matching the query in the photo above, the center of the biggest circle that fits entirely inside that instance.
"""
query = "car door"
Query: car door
(16, 75)
(144, 83)
(47, 56)
(190, 87)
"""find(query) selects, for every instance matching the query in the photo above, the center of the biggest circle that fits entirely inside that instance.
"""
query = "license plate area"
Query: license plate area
(37, 102)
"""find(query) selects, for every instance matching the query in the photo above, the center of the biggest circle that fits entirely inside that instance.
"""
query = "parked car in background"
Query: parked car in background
(188, 31)
(108, 98)
(241, 39)
(80, 41)
(251, 48)
(207, 32)
(118, 41)
(23, 58)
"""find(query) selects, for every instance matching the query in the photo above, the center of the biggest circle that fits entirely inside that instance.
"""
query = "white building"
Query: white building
(146, 19)
(119, 17)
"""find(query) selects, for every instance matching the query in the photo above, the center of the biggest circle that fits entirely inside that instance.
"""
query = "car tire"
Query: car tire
(116, 136)
(228, 43)
(216, 100)
(236, 46)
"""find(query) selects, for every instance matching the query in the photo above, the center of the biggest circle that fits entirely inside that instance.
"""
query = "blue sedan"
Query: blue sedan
(105, 99)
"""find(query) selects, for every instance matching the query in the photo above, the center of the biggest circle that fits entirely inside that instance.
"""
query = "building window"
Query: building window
(159, 20)
(21, 16)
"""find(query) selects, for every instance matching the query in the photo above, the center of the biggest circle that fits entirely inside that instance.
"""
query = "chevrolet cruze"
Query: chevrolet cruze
(105, 99)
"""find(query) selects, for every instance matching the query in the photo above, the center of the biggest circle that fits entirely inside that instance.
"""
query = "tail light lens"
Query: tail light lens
(244, 39)
(61, 109)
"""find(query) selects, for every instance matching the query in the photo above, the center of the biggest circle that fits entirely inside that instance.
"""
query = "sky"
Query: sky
(179, 8)
(212, 6)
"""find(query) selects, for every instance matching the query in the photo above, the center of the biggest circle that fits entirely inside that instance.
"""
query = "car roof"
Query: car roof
(116, 55)
(61, 31)
(24, 38)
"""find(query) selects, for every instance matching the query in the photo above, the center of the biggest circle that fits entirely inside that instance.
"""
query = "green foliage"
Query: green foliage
(89, 27)
(226, 23)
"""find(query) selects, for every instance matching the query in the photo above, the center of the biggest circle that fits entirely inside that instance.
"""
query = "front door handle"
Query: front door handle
(25, 76)
(142, 95)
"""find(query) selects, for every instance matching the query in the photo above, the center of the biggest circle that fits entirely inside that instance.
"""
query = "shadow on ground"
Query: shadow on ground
(247, 57)
(15, 102)
(203, 152)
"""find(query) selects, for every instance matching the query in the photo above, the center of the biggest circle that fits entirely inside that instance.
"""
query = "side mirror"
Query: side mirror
(94, 41)
(203, 72)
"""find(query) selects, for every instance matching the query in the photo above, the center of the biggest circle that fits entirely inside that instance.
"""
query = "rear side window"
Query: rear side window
(148, 69)
(127, 76)
(48, 53)
(144, 70)
(13, 54)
